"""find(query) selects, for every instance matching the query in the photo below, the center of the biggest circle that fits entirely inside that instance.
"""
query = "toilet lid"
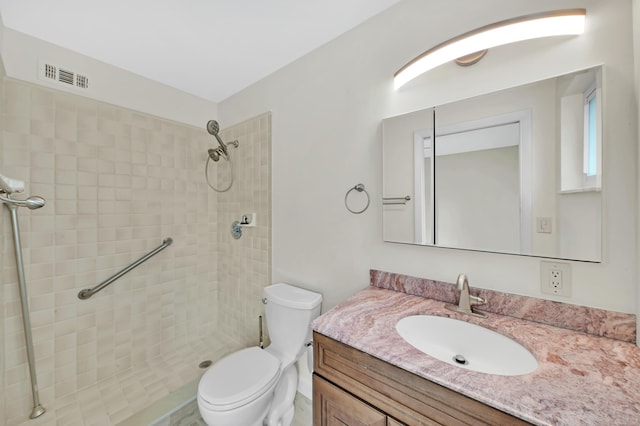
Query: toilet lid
(238, 378)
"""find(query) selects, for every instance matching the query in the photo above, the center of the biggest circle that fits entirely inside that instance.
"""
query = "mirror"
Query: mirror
(517, 171)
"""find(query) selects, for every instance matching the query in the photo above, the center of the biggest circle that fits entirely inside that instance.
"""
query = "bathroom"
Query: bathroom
(127, 171)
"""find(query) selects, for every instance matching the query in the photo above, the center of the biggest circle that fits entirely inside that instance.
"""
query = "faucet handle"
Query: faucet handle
(477, 300)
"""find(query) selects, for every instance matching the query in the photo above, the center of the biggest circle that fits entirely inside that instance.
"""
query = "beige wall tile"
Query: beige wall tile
(117, 183)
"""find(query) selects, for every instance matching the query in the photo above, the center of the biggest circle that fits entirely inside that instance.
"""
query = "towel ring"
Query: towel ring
(360, 188)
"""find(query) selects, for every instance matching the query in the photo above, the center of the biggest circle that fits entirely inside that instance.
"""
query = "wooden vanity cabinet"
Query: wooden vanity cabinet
(337, 407)
(353, 388)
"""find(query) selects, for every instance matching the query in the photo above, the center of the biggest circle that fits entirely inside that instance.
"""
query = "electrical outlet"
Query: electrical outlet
(555, 278)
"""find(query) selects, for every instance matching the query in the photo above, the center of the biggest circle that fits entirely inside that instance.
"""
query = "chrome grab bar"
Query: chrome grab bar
(88, 292)
(396, 200)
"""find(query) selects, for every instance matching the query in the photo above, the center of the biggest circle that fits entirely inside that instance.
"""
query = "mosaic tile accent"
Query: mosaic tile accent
(599, 322)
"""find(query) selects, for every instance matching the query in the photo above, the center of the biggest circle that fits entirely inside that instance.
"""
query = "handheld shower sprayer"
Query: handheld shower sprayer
(216, 153)
(222, 151)
(10, 186)
(213, 128)
(32, 203)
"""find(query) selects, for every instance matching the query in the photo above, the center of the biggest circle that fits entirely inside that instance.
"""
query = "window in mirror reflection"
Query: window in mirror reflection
(592, 125)
(580, 133)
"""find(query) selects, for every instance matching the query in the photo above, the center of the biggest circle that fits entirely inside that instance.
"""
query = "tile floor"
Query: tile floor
(189, 415)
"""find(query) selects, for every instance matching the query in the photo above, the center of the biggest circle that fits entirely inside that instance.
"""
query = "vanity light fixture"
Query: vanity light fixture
(469, 48)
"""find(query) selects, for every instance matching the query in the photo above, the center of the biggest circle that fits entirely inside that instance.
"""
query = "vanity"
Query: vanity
(366, 373)
(370, 391)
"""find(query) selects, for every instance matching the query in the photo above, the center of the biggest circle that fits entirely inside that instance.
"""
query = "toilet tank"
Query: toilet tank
(289, 311)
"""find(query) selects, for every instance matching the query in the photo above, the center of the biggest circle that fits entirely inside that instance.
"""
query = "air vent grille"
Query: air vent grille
(63, 76)
(50, 71)
(82, 81)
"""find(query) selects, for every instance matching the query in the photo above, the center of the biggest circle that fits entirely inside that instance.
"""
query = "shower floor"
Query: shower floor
(115, 400)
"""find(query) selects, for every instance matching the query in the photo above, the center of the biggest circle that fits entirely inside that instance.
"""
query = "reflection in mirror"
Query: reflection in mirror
(517, 171)
(408, 138)
(479, 164)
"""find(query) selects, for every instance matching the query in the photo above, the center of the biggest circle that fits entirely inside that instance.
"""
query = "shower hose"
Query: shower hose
(206, 174)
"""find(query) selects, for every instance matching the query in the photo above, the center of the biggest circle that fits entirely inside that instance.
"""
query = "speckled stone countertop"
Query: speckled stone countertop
(582, 379)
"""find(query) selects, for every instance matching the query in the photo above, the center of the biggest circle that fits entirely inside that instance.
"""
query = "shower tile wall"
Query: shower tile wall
(244, 264)
(117, 182)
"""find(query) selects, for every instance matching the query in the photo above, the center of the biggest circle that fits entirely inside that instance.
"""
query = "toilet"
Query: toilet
(254, 386)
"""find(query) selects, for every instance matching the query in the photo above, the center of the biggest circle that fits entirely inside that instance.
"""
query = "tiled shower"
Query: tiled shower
(117, 182)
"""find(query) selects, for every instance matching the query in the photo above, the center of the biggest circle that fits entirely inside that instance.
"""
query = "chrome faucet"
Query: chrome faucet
(466, 301)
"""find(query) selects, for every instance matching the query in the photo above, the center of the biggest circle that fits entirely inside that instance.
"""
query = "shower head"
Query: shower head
(32, 203)
(213, 154)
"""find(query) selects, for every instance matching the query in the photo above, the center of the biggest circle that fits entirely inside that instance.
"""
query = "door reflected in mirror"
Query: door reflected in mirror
(517, 171)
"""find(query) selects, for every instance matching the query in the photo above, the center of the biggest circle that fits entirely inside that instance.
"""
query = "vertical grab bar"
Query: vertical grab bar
(38, 409)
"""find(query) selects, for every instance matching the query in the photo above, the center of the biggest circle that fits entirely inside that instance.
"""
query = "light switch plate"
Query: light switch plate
(543, 225)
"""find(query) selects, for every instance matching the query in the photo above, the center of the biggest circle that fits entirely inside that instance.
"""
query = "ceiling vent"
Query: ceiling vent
(62, 76)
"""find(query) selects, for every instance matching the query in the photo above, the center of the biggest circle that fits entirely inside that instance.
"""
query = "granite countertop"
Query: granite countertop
(581, 378)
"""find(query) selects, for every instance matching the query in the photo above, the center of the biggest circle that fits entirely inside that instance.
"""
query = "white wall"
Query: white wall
(21, 55)
(327, 109)
(577, 224)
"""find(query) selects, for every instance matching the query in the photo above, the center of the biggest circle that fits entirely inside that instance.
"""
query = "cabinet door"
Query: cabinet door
(334, 407)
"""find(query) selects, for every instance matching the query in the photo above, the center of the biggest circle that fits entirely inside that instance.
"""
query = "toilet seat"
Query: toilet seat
(238, 379)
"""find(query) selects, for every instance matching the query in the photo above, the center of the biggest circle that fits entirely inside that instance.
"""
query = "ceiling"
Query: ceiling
(209, 48)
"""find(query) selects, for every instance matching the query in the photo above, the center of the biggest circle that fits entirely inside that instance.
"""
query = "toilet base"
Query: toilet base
(282, 408)
(287, 419)
(252, 414)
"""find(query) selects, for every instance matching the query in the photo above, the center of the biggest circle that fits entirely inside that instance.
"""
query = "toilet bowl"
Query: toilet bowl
(254, 386)
(237, 390)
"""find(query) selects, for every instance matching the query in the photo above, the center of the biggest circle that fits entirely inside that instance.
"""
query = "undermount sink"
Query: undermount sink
(466, 345)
